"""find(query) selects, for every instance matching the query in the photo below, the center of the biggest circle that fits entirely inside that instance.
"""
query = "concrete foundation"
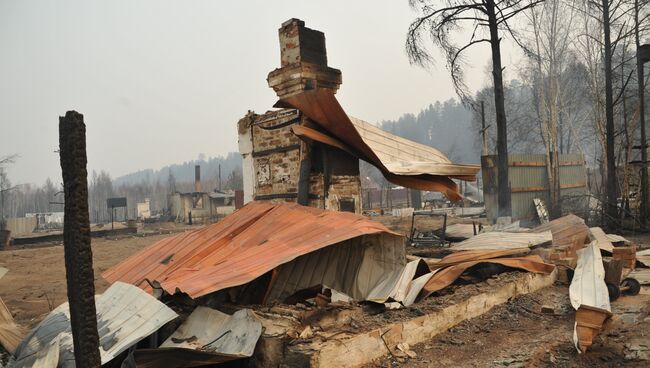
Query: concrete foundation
(349, 349)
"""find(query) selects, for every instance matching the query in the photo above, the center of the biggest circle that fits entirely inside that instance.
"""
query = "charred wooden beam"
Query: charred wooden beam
(267, 152)
(76, 241)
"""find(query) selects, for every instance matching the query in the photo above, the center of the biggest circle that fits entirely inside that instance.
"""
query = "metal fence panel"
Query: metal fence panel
(529, 179)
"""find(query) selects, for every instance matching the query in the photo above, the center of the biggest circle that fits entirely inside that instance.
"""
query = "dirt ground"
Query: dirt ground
(517, 334)
(35, 283)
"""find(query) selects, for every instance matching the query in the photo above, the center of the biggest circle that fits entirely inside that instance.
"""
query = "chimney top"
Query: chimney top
(303, 60)
(293, 21)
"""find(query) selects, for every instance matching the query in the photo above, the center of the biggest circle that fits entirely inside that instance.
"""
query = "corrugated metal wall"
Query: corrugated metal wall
(21, 225)
(529, 180)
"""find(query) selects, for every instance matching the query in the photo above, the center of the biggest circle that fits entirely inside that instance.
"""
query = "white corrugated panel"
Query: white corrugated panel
(126, 314)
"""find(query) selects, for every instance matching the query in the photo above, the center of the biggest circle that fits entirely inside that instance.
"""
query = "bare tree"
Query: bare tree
(607, 30)
(5, 185)
(639, 19)
(551, 41)
(440, 21)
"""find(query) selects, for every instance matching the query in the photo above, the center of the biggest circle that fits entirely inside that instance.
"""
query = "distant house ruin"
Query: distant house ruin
(200, 206)
(308, 151)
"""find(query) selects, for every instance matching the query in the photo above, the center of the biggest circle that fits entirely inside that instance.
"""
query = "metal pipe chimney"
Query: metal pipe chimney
(197, 178)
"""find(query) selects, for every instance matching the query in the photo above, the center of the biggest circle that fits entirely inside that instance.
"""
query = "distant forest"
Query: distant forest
(184, 172)
(447, 126)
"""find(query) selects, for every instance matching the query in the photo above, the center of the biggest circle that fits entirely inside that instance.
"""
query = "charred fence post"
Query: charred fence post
(76, 241)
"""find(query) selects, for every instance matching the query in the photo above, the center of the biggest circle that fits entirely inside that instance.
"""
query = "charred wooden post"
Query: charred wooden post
(76, 241)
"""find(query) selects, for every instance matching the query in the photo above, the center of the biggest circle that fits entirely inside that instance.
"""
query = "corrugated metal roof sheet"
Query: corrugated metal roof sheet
(207, 336)
(245, 245)
(125, 315)
(10, 333)
(444, 277)
(502, 240)
(402, 161)
(529, 180)
(569, 230)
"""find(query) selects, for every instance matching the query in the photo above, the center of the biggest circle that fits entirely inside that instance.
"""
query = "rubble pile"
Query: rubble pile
(298, 277)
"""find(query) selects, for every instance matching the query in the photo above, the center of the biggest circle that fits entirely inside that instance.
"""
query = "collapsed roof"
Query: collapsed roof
(343, 250)
(402, 161)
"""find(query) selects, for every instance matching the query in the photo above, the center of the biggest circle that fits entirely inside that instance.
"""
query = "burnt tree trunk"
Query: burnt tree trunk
(612, 198)
(644, 151)
(503, 184)
(76, 241)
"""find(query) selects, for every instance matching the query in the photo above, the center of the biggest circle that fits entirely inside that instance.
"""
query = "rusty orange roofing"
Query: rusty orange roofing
(402, 161)
(243, 246)
(447, 275)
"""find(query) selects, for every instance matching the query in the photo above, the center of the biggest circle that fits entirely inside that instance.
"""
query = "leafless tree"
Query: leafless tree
(550, 52)
(440, 20)
(642, 19)
(5, 185)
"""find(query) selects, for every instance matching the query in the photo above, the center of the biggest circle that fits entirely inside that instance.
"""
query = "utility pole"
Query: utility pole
(76, 241)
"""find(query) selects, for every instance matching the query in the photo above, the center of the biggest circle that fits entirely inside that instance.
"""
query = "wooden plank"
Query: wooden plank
(267, 152)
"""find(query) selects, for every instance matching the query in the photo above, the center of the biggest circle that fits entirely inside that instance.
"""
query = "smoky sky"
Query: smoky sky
(160, 82)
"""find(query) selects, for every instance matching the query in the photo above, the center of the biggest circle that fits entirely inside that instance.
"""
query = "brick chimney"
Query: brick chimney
(303, 60)
(197, 178)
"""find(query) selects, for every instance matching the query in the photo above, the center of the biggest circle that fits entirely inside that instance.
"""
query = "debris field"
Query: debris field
(298, 276)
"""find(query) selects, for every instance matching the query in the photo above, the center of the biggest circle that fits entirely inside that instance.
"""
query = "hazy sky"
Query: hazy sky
(161, 81)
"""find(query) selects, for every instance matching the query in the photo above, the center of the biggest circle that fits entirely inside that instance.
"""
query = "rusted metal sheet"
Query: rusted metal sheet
(569, 230)
(502, 240)
(243, 246)
(446, 276)
(473, 255)
(315, 135)
(402, 161)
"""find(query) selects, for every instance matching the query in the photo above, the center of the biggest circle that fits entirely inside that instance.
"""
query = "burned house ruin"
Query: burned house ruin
(308, 151)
